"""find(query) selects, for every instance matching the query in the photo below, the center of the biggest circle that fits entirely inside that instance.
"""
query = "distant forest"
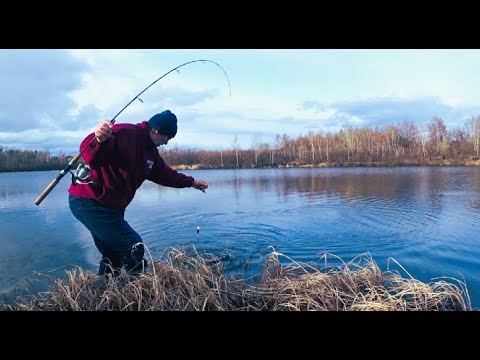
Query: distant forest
(391, 145)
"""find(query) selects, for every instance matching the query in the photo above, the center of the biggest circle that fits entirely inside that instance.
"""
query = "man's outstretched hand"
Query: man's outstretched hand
(200, 185)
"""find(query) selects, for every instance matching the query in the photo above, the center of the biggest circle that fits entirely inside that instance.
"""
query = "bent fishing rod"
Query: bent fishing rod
(72, 162)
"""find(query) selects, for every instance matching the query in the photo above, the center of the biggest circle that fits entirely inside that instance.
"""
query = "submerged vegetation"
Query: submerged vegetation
(199, 283)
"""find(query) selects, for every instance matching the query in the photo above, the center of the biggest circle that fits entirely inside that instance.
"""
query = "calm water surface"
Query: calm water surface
(426, 218)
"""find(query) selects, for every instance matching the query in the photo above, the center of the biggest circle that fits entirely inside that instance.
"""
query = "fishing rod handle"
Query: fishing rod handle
(55, 181)
(45, 192)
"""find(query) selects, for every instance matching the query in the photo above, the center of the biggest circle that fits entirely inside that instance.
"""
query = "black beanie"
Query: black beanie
(165, 123)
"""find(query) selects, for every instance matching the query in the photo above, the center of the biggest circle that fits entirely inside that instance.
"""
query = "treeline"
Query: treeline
(391, 145)
(23, 160)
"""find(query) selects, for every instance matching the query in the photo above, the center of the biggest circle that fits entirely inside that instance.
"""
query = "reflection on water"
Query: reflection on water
(424, 217)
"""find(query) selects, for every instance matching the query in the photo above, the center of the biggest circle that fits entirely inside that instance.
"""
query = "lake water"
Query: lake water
(426, 218)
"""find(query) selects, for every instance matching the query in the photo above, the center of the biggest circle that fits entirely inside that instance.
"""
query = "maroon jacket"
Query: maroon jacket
(121, 164)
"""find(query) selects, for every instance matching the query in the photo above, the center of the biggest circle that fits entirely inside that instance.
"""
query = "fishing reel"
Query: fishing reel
(81, 176)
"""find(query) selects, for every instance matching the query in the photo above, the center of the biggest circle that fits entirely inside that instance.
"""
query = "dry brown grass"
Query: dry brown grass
(473, 162)
(187, 167)
(194, 283)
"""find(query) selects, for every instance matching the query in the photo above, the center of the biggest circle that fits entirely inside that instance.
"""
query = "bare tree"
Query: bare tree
(236, 147)
(423, 140)
(473, 131)
(257, 145)
(438, 135)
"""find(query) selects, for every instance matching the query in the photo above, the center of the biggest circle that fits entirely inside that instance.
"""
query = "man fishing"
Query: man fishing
(120, 158)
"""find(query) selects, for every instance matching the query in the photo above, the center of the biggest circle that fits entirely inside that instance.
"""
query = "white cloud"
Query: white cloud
(54, 98)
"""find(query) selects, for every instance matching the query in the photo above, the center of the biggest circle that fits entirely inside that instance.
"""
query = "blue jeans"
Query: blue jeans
(118, 243)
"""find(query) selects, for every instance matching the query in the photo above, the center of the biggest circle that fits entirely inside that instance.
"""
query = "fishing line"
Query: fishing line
(83, 171)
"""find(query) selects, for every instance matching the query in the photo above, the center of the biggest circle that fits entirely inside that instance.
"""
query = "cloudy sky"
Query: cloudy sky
(52, 99)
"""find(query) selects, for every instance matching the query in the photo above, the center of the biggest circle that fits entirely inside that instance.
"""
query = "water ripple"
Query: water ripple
(426, 218)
